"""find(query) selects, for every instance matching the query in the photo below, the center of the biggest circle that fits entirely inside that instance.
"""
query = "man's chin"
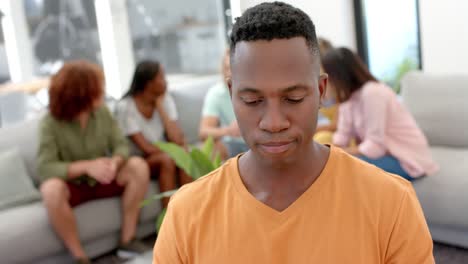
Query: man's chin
(279, 160)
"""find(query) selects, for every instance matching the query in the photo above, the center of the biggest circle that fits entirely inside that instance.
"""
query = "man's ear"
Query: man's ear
(322, 83)
(229, 84)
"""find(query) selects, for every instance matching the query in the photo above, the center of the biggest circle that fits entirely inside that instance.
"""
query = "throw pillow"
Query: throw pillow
(16, 187)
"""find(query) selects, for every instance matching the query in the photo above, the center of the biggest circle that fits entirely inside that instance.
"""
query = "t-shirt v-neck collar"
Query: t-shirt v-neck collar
(300, 203)
(140, 114)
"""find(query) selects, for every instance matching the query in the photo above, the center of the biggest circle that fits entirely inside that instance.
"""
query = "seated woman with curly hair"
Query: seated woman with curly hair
(84, 156)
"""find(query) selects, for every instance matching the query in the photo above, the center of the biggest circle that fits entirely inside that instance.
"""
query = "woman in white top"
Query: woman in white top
(147, 114)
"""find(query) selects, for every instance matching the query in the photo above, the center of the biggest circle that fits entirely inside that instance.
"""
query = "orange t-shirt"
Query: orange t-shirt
(352, 213)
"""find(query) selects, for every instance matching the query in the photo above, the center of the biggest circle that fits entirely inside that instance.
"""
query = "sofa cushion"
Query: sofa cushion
(439, 105)
(28, 227)
(16, 187)
(24, 137)
(443, 195)
(189, 99)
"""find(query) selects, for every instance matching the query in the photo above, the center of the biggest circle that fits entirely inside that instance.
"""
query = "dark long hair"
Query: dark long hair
(346, 71)
(145, 72)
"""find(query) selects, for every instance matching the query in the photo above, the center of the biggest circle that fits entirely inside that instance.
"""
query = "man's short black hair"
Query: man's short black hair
(276, 20)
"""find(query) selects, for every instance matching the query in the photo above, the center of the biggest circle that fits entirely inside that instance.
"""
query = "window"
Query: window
(62, 30)
(185, 36)
(4, 72)
(227, 15)
(388, 37)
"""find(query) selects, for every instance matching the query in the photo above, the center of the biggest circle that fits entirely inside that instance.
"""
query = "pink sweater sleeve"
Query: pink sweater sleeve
(375, 108)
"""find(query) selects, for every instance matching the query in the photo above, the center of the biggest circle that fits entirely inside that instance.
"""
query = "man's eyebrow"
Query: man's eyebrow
(294, 88)
(285, 90)
(249, 90)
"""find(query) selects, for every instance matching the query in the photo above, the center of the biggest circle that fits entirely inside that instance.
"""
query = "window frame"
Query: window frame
(361, 32)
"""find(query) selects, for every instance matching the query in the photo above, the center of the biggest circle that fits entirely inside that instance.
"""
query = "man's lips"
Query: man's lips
(276, 147)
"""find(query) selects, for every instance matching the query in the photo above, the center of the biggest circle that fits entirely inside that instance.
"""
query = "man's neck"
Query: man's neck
(271, 184)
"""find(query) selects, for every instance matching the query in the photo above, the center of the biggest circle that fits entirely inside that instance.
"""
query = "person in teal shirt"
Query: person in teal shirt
(218, 118)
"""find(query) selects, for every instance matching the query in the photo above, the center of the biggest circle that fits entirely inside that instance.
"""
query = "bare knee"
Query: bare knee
(139, 169)
(54, 191)
(167, 162)
(161, 161)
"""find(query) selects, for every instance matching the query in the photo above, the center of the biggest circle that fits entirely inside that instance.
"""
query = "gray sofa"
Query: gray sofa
(25, 233)
(440, 106)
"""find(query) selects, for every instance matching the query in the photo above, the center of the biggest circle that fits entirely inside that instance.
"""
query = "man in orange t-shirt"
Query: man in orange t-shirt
(288, 199)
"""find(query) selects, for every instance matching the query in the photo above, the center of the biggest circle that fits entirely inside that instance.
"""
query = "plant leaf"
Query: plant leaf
(160, 219)
(163, 195)
(217, 161)
(202, 162)
(158, 196)
(208, 146)
(180, 156)
(195, 172)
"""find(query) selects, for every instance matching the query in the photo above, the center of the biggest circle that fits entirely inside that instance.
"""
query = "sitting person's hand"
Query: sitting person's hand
(103, 170)
(160, 101)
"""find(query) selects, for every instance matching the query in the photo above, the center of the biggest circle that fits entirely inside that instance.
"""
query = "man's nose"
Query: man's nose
(274, 120)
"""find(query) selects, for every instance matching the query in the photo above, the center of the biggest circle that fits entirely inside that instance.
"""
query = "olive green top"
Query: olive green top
(63, 142)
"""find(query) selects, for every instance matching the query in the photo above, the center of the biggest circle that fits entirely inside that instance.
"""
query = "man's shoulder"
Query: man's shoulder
(205, 190)
(369, 179)
(361, 187)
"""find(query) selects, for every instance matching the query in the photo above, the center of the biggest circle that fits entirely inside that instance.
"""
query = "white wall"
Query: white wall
(444, 36)
(333, 19)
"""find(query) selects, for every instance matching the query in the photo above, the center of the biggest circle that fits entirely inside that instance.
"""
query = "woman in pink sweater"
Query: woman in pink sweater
(370, 112)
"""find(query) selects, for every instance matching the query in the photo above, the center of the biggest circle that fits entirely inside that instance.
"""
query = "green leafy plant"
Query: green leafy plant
(196, 162)
(404, 67)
